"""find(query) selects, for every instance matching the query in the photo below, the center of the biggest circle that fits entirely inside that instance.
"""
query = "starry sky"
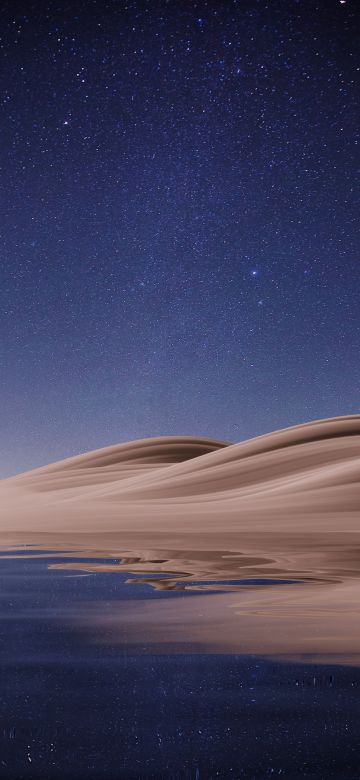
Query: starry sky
(178, 220)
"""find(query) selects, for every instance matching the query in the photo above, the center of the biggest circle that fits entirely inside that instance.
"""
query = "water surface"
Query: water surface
(76, 701)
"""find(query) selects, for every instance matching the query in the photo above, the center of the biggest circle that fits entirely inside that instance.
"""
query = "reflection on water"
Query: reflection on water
(75, 702)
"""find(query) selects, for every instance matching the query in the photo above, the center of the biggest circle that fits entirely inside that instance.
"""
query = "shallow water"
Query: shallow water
(75, 703)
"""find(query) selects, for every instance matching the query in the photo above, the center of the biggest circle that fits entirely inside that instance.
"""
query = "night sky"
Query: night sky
(178, 220)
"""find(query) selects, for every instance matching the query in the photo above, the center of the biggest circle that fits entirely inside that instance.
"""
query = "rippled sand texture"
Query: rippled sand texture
(282, 506)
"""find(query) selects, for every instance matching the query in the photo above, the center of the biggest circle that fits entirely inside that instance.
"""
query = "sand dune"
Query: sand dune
(178, 483)
(283, 505)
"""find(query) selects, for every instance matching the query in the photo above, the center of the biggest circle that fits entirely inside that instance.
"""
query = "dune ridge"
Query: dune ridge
(283, 506)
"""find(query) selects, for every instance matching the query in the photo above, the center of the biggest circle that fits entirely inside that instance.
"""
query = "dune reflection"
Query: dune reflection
(315, 616)
(277, 622)
(299, 601)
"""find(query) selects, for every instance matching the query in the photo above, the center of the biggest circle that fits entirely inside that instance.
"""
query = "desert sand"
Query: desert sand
(283, 506)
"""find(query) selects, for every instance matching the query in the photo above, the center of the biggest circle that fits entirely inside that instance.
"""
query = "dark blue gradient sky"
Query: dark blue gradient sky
(179, 220)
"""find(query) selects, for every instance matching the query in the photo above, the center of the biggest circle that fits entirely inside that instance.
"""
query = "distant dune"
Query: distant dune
(281, 506)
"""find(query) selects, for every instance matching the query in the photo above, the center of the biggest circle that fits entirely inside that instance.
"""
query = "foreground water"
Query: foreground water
(77, 703)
